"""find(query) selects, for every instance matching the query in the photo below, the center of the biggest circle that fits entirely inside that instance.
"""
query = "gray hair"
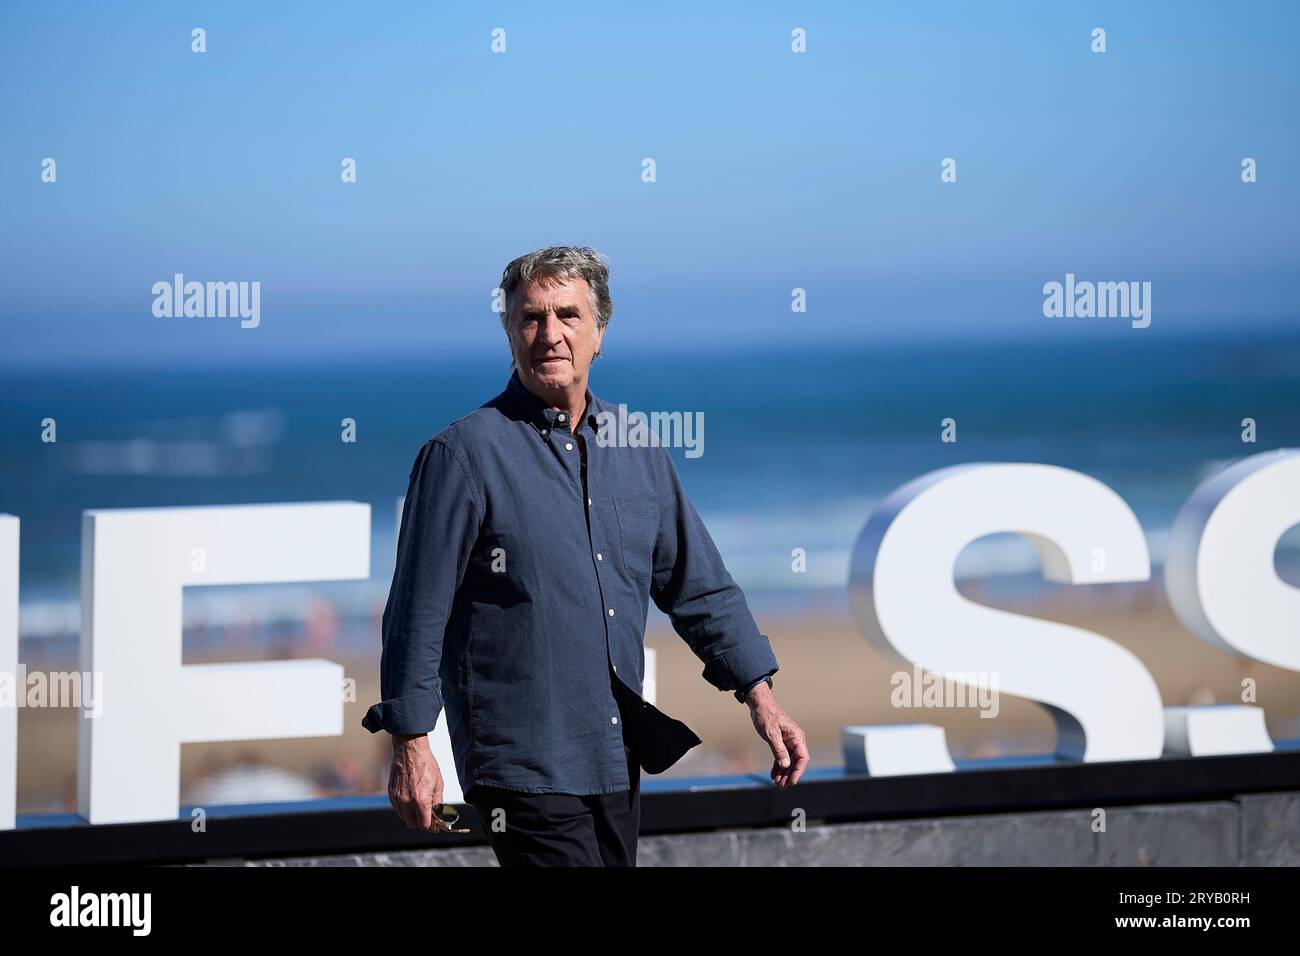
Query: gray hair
(560, 262)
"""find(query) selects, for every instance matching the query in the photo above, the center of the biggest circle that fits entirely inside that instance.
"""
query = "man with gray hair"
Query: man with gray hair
(527, 555)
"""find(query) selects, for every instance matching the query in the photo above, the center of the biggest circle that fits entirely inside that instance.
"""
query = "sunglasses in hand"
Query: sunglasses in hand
(445, 818)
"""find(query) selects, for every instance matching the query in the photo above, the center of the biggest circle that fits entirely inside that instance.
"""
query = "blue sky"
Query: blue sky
(775, 170)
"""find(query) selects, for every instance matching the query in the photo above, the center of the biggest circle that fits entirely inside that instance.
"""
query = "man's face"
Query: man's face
(554, 334)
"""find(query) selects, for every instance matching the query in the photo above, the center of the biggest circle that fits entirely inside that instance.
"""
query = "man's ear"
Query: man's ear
(510, 344)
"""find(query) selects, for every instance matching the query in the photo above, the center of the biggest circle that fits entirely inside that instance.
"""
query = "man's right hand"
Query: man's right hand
(415, 782)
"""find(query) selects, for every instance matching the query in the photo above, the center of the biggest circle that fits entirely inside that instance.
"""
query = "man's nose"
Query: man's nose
(549, 330)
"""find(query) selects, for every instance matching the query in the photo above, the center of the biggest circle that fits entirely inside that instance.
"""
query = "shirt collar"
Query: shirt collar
(538, 414)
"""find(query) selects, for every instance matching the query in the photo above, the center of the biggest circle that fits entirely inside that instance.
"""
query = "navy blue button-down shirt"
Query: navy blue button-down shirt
(525, 560)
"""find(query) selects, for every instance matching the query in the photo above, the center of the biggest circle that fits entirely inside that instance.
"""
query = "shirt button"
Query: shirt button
(588, 501)
(616, 668)
(543, 431)
(568, 446)
(613, 720)
(611, 612)
(599, 556)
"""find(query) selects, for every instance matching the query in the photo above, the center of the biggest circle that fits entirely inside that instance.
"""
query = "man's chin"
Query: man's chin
(554, 374)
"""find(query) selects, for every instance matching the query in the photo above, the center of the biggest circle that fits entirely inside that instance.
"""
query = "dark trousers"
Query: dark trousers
(561, 829)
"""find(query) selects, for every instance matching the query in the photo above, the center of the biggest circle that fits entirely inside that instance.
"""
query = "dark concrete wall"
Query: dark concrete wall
(1252, 830)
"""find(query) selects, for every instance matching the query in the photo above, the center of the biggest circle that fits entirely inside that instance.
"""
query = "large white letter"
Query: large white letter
(1224, 587)
(134, 564)
(1104, 702)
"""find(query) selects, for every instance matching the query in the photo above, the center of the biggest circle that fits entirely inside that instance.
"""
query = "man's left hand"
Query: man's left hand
(785, 737)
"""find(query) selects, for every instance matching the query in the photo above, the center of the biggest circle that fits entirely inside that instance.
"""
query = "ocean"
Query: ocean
(799, 445)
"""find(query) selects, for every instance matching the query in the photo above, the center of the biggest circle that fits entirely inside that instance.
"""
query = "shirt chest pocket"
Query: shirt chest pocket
(638, 528)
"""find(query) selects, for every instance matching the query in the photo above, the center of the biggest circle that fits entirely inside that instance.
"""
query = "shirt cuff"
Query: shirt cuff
(742, 666)
(746, 688)
(414, 714)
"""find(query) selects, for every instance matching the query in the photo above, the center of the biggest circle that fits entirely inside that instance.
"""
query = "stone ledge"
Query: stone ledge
(1250, 830)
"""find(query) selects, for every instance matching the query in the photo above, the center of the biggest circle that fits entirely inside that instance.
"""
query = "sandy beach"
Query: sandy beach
(830, 677)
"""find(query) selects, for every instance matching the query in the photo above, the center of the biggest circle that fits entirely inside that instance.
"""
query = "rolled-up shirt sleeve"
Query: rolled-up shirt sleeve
(440, 524)
(693, 587)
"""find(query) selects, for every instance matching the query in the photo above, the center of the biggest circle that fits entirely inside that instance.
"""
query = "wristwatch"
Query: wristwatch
(741, 695)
